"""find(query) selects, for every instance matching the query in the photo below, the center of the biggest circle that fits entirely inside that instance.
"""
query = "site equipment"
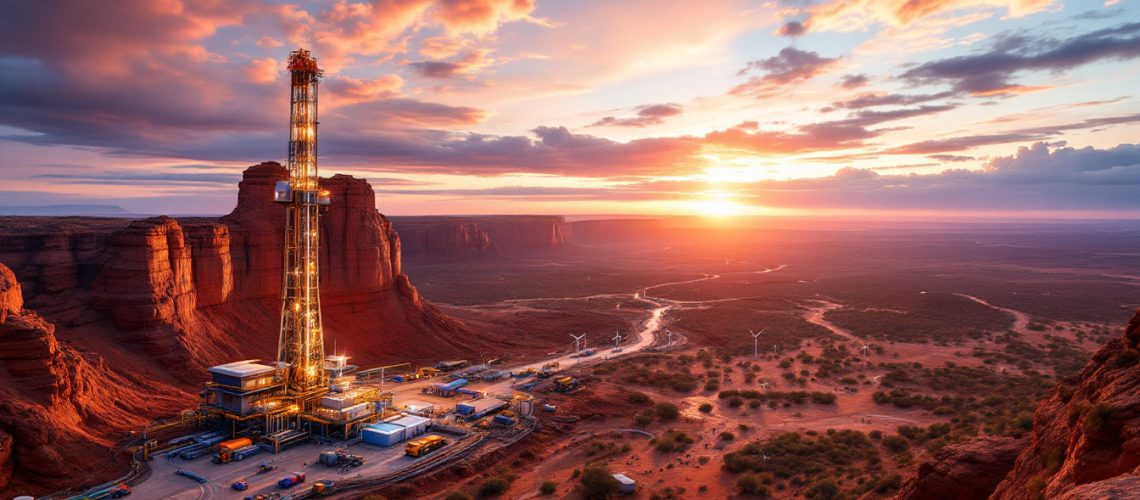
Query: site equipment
(226, 449)
(240, 485)
(340, 458)
(563, 384)
(422, 446)
(503, 420)
(264, 467)
(301, 346)
(426, 372)
(291, 480)
(451, 365)
(191, 475)
(324, 487)
(626, 485)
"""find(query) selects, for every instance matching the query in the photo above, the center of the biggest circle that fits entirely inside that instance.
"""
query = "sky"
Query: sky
(972, 108)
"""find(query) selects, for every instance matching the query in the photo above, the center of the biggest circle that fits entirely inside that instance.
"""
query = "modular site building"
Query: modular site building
(395, 430)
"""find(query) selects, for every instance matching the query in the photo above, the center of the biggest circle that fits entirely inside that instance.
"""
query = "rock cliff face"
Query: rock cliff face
(1087, 430)
(162, 299)
(457, 238)
(964, 471)
(1085, 442)
(56, 403)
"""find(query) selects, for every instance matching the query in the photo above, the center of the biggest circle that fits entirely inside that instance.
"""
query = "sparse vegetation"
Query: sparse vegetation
(598, 483)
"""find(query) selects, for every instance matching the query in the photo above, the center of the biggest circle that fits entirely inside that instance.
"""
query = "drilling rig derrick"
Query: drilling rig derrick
(300, 350)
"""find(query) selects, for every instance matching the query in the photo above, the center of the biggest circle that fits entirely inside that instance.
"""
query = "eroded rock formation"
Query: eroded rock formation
(456, 238)
(145, 306)
(964, 471)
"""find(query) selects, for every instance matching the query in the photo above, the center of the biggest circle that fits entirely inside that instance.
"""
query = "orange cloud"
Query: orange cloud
(263, 70)
(851, 15)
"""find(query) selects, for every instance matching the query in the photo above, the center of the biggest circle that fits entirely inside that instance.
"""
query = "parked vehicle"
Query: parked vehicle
(422, 446)
(228, 449)
(291, 480)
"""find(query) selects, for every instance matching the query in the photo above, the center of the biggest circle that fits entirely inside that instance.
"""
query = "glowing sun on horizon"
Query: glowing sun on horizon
(716, 205)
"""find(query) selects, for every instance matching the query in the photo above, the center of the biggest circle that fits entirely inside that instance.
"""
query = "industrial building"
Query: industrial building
(395, 430)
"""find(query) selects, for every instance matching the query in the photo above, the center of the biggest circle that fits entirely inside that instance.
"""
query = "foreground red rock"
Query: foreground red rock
(964, 471)
(1087, 430)
(57, 404)
(1085, 442)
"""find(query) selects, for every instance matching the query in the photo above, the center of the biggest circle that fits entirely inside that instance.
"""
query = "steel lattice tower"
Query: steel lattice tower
(301, 347)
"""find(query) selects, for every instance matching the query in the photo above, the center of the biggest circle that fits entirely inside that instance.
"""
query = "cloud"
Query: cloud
(142, 178)
(396, 112)
(991, 72)
(481, 16)
(963, 143)
(265, 70)
(652, 114)
(469, 64)
(1036, 178)
(792, 29)
(854, 81)
(441, 47)
(855, 15)
(790, 66)
(950, 158)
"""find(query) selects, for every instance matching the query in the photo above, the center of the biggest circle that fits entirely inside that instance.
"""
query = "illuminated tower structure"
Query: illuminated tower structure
(301, 347)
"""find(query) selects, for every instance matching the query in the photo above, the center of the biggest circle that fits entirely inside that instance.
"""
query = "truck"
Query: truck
(324, 487)
(291, 480)
(422, 446)
(563, 384)
(228, 449)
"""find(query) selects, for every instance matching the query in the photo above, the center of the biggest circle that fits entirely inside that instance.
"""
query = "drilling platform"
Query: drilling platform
(304, 392)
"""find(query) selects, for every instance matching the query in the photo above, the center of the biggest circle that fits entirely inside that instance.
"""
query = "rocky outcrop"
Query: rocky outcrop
(964, 471)
(1088, 429)
(617, 230)
(57, 403)
(161, 299)
(457, 238)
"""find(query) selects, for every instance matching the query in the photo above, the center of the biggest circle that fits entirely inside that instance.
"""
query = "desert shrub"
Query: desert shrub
(494, 487)
(875, 434)
(598, 483)
(726, 436)
(712, 385)
(639, 398)
(895, 444)
(643, 418)
(750, 484)
(666, 411)
(823, 398)
(735, 402)
(823, 490)
(673, 441)
(1097, 420)
(705, 408)
(548, 487)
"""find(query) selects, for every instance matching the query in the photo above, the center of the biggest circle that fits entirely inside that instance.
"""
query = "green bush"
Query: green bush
(726, 436)
(1098, 420)
(494, 487)
(638, 398)
(643, 418)
(751, 485)
(673, 441)
(706, 408)
(823, 490)
(896, 444)
(666, 411)
(598, 483)
(548, 487)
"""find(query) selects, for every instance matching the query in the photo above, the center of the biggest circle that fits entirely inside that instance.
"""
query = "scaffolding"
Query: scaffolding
(301, 350)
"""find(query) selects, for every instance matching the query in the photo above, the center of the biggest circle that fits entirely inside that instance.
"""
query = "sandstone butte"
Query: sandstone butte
(1085, 442)
(112, 322)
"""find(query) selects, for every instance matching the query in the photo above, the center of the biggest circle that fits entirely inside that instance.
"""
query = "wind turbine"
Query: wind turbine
(764, 384)
(577, 347)
(864, 348)
(756, 343)
(670, 334)
(617, 341)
